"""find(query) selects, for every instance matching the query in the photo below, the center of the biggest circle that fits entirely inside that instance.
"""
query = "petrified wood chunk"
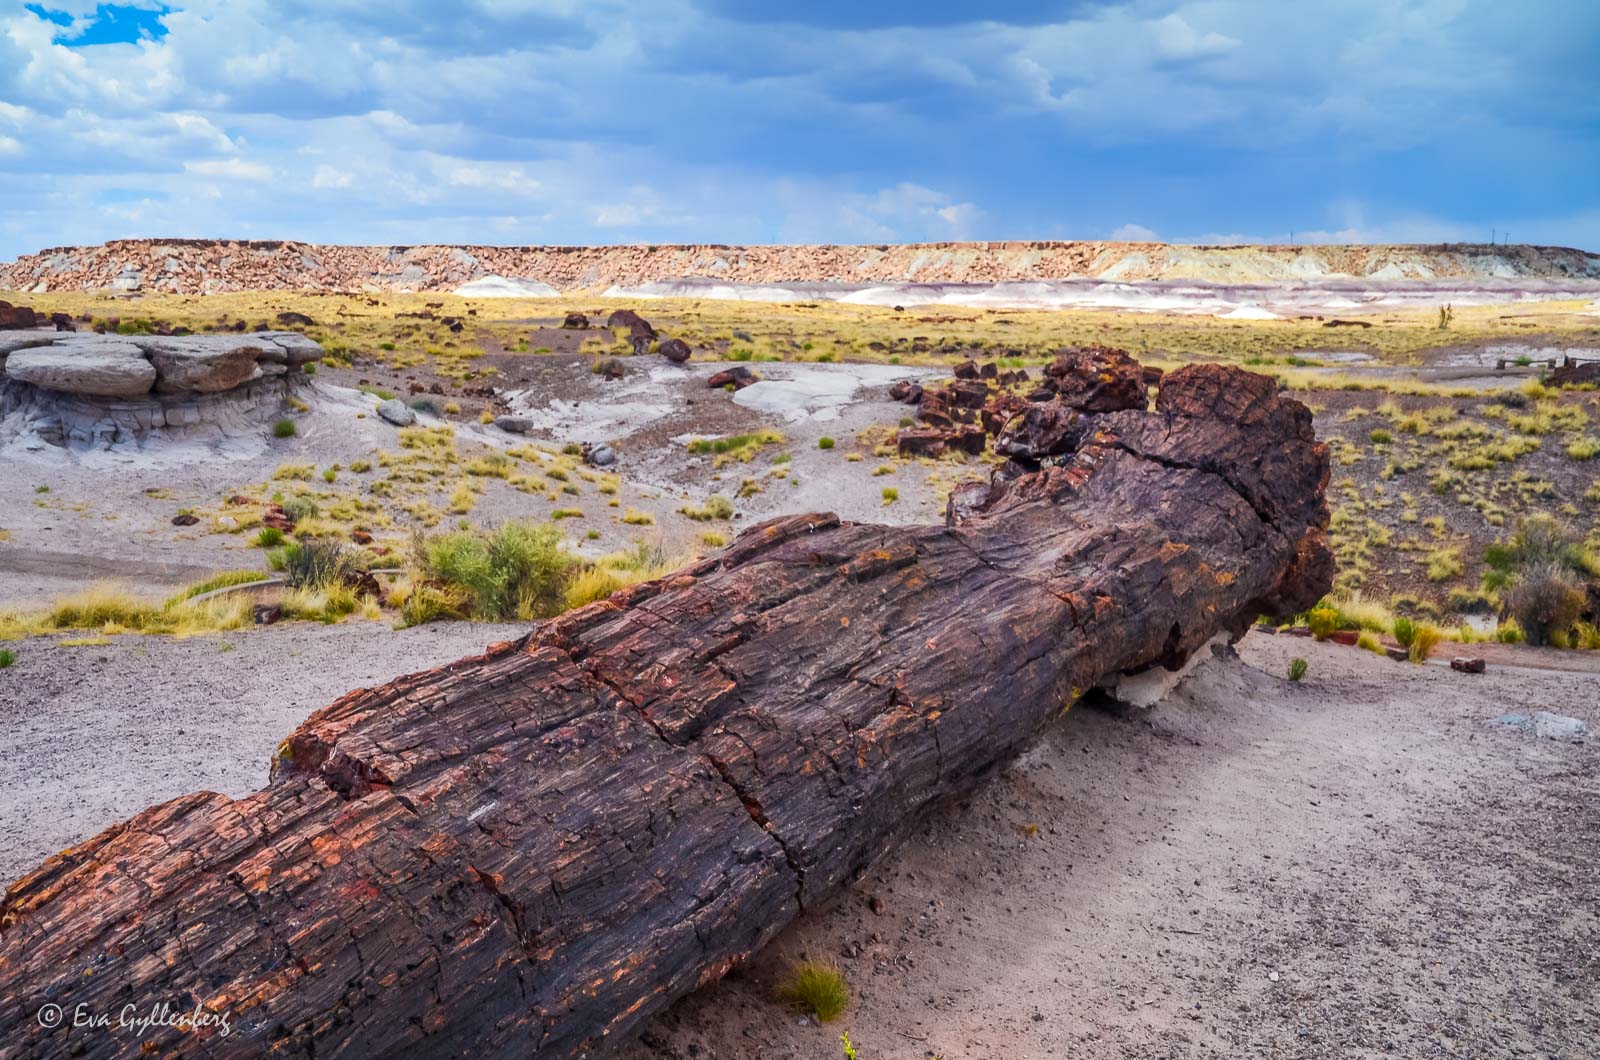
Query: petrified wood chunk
(528, 852)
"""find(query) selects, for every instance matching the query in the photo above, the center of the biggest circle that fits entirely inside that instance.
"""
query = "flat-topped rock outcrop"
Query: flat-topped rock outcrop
(81, 390)
(118, 366)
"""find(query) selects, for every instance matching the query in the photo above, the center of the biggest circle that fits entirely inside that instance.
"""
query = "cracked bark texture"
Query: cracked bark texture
(528, 852)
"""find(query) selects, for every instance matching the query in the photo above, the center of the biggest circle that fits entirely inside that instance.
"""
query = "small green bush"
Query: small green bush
(824, 442)
(516, 571)
(1405, 631)
(284, 428)
(1546, 600)
(299, 508)
(269, 537)
(1423, 641)
(432, 603)
(816, 989)
(1297, 670)
(1322, 622)
(890, 494)
(6, 658)
(716, 507)
(318, 564)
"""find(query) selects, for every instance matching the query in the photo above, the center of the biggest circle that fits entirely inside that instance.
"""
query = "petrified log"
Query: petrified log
(528, 852)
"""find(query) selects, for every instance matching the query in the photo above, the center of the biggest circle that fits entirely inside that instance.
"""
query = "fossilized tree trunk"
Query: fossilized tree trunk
(528, 852)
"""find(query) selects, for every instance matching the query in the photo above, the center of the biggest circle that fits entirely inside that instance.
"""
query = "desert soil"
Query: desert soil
(97, 733)
(1365, 864)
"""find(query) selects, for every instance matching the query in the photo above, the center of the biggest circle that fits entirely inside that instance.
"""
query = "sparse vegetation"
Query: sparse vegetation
(284, 428)
(1297, 670)
(1424, 639)
(518, 570)
(816, 989)
(715, 507)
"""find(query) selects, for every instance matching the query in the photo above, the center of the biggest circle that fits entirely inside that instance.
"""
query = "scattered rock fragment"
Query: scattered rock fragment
(576, 322)
(514, 424)
(599, 455)
(674, 350)
(737, 377)
(185, 519)
(397, 412)
(640, 333)
(291, 319)
(17, 317)
(1546, 725)
(1465, 665)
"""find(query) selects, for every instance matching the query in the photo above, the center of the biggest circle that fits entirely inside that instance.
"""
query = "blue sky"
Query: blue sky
(607, 121)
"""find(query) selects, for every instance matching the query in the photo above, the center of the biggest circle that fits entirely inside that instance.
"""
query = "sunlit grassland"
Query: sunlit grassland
(369, 325)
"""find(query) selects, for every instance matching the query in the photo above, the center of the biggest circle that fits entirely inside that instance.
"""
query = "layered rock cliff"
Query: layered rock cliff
(202, 266)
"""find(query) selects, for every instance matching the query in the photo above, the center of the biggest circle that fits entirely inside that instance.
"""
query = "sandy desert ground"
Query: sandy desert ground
(1363, 864)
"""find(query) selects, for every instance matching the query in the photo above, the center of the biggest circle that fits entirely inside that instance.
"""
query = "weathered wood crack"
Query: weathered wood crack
(528, 852)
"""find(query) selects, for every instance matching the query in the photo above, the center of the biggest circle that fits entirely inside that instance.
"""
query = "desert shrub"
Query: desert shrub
(1545, 599)
(1368, 642)
(1297, 670)
(318, 564)
(102, 605)
(1322, 621)
(300, 508)
(713, 539)
(284, 428)
(328, 602)
(816, 989)
(269, 537)
(1444, 565)
(716, 507)
(1509, 632)
(591, 584)
(1423, 641)
(1405, 631)
(890, 494)
(7, 657)
(1356, 612)
(432, 603)
(1586, 635)
(634, 517)
(1543, 539)
(824, 442)
(1381, 437)
(518, 570)
(1584, 449)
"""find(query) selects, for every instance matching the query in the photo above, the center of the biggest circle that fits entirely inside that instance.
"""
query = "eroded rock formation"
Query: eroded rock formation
(528, 852)
(207, 266)
(91, 390)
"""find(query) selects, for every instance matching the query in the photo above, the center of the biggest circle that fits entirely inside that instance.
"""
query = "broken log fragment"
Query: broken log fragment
(529, 852)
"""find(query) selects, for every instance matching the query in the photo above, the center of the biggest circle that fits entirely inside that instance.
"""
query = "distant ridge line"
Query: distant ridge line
(199, 266)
